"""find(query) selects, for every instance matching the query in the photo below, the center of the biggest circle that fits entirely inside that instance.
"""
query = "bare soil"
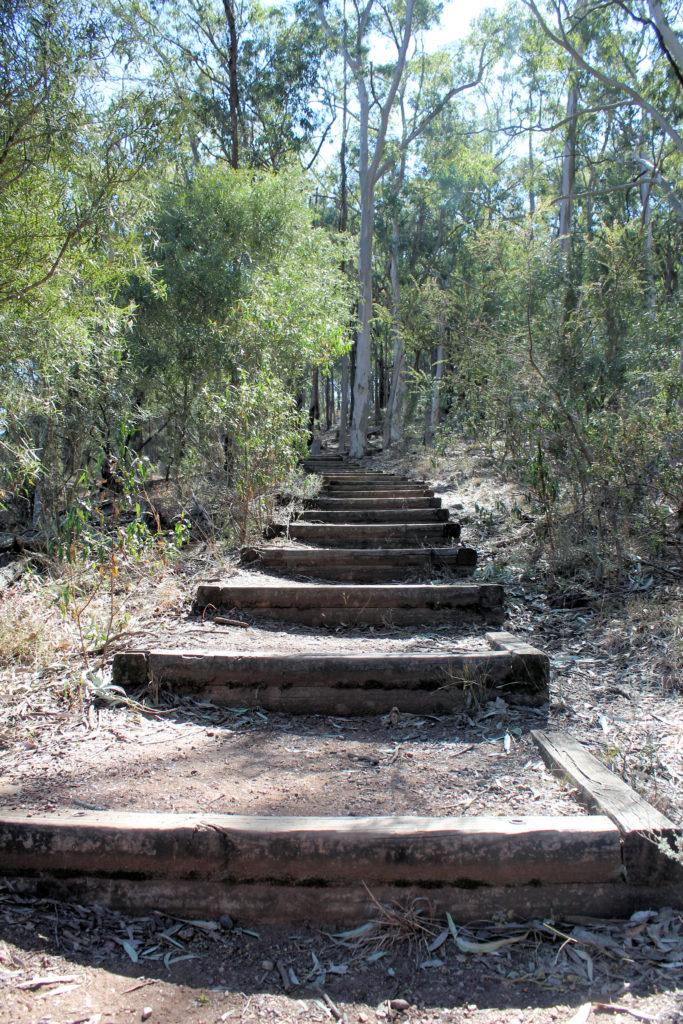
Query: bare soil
(197, 759)
(616, 685)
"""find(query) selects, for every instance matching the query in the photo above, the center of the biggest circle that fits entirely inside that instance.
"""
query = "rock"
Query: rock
(267, 965)
(399, 1004)
(226, 922)
(146, 1013)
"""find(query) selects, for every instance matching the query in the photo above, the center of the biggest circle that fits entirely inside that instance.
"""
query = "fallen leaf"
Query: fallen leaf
(581, 1015)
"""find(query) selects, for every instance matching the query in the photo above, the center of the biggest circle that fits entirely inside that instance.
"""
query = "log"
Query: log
(359, 565)
(373, 486)
(641, 825)
(369, 492)
(362, 479)
(344, 906)
(339, 504)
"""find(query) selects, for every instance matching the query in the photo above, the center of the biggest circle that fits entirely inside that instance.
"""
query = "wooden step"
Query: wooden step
(375, 535)
(363, 565)
(362, 492)
(348, 477)
(356, 605)
(336, 504)
(383, 515)
(373, 486)
(645, 831)
(325, 457)
(342, 684)
(284, 870)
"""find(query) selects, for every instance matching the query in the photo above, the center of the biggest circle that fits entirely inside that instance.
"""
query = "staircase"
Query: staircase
(368, 591)
(367, 571)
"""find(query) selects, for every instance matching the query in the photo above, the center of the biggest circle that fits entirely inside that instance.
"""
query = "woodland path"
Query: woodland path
(354, 671)
(331, 867)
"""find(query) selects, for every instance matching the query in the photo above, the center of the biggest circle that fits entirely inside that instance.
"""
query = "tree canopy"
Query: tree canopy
(209, 208)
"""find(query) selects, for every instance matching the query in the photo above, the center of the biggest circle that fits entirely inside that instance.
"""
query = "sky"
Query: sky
(457, 15)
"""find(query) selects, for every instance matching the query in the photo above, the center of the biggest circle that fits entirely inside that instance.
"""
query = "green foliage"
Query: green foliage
(73, 192)
(102, 534)
(578, 381)
(248, 284)
(265, 439)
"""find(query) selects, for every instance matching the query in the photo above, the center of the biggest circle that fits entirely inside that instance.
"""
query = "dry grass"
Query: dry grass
(33, 631)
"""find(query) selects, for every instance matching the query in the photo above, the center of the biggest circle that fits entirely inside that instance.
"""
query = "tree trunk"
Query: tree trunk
(314, 409)
(344, 403)
(361, 380)
(532, 192)
(233, 92)
(568, 173)
(437, 373)
(328, 409)
(394, 411)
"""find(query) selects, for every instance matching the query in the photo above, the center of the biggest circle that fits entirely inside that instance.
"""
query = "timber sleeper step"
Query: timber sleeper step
(361, 479)
(369, 492)
(359, 604)
(376, 515)
(372, 486)
(282, 870)
(334, 684)
(339, 503)
(373, 535)
(363, 565)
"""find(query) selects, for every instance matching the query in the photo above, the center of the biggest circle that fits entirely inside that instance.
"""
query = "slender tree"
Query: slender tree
(376, 91)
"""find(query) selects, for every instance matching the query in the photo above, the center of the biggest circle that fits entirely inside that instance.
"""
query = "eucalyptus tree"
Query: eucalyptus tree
(357, 31)
(78, 139)
(247, 75)
(631, 49)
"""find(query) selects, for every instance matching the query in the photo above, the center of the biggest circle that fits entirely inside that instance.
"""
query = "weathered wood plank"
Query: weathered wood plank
(347, 905)
(375, 535)
(363, 565)
(340, 504)
(361, 595)
(375, 515)
(641, 824)
(332, 479)
(327, 850)
(335, 684)
(355, 604)
(363, 492)
(348, 489)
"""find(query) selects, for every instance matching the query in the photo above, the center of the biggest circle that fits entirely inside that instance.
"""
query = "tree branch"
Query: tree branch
(428, 118)
(561, 39)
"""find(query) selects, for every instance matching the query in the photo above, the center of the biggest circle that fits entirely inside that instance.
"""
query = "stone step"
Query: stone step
(376, 515)
(375, 535)
(337, 504)
(363, 565)
(332, 684)
(355, 605)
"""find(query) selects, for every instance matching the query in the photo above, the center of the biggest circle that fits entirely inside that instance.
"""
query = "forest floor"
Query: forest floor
(616, 684)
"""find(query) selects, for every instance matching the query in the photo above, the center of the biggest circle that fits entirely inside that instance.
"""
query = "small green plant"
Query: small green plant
(101, 534)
